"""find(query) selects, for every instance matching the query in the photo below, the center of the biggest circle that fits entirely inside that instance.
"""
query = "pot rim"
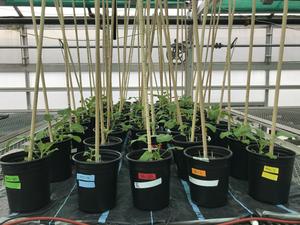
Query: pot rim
(107, 151)
(20, 162)
(139, 161)
(119, 141)
(212, 147)
(290, 154)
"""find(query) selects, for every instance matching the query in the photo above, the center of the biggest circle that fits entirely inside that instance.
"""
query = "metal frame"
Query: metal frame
(266, 66)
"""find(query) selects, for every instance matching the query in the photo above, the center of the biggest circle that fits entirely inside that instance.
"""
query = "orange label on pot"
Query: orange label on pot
(201, 173)
(270, 176)
(271, 169)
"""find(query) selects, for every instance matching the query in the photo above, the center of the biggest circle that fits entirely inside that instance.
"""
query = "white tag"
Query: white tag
(147, 184)
(201, 159)
(204, 183)
(73, 150)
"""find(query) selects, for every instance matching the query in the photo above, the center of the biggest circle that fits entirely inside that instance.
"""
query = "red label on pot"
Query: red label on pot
(146, 176)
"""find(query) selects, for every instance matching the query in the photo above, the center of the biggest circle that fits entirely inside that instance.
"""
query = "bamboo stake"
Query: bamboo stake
(278, 77)
(89, 55)
(78, 55)
(37, 80)
(41, 72)
(98, 92)
(250, 62)
(149, 62)
(177, 37)
(161, 56)
(171, 72)
(228, 58)
(144, 70)
(199, 52)
(124, 51)
(111, 55)
(229, 63)
(66, 55)
(215, 31)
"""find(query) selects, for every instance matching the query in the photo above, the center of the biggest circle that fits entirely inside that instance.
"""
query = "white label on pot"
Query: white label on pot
(147, 184)
(86, 184)
(85, 177)
(73, 150)
(204, 183)
(201, 159)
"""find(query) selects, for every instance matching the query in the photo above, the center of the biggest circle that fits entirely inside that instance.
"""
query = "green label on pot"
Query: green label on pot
(11, 178)
(13, 185)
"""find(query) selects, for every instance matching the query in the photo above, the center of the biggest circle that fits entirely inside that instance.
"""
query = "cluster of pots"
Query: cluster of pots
(28, 182)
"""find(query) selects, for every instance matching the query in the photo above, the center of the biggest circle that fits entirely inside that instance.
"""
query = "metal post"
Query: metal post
(25, 62)
(188, 87)
(268, 58)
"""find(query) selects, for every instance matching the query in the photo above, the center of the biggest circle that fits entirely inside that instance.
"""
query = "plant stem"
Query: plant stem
(278, 77)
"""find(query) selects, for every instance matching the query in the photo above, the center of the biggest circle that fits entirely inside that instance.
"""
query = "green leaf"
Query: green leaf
(211, 127)
(147, 156)
(225, 134)
(164, 138)
(48, 117)
(75, 138)
(77, 128)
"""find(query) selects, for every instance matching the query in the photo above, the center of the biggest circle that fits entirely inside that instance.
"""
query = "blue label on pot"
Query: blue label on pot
(86, 184)
(85, 177)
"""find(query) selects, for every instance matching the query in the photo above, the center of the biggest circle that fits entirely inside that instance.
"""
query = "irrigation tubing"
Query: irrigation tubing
(43, 218)
(273, 220)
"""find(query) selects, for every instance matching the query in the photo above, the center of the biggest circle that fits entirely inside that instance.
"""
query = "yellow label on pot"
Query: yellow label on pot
(270, 176)
(201, 173)
(271, 169)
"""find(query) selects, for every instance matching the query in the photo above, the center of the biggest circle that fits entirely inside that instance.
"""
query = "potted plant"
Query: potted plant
(27, 179)
(149, 168)
(238, 138)
(271, 166)
(208, 166)
(97, 171)
(150, 173)
(269, 174)
(65, 130)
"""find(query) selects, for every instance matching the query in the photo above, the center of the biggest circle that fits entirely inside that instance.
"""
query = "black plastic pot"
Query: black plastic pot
(27, 183)
(239, 159)
(119, 133)
(134, 131)
(179, 157)
(269, 179)
(87, 123)
(208, 180)
(215, 139)
(60, 165)
(150, 181)
(114, 143)
(79, 146)
(97, 182)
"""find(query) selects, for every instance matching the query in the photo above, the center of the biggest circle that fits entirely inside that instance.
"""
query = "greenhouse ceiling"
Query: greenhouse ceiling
(242, 6)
